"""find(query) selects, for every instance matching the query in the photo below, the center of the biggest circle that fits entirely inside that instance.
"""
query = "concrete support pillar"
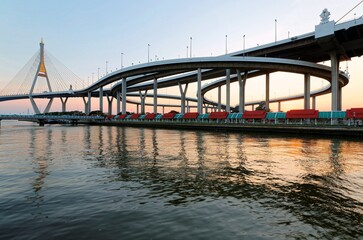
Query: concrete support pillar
(267, 94)
(89, 103)
(313, 102)
(199, 91)
(124, 95)
(228, 90)
(163, 109)
(334, 81)
(242, 84)
(155, 95)
(85, 105)
(118, 102)
(219, 98)
(183, 93)
(110, 100)
(142, 101)
(188, 107)
(279, 106)
(64, 103)
(340, 98)
(253, 107)
(101, 99)
(137, 108)
(307, 91)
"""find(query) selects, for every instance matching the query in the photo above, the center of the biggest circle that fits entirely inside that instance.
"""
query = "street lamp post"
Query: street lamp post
(244, 41)
(148, 53)
(191, 47)
(98, 73)
(275, 30)
(226, 45)
(122, 58)
(187, 51)
(106, 67)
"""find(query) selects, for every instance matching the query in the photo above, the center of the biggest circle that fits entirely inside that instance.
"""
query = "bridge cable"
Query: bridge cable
(350, 11)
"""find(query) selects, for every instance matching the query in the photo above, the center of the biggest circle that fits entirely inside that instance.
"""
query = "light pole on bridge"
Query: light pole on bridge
(106, 67)
(148, 53)
(226, 45)
(122, 57)
(275, 30)
(244, 41)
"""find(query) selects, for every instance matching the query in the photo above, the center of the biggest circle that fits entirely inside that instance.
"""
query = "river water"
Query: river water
(98, 182)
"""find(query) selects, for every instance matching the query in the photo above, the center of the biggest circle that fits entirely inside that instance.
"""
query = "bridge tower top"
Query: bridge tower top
(42, 69)
(41, 72)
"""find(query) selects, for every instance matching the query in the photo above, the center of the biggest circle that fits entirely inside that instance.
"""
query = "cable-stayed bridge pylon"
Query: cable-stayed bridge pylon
(43, 73)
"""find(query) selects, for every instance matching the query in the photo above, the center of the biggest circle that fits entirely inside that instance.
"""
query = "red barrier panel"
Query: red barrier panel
(110, 116)
(121, 116)
(150, 116)
(302, 113)
(218, 115)
(258, 114)
(191, 115)
(169, 115)
(135, 116)
(355, 113)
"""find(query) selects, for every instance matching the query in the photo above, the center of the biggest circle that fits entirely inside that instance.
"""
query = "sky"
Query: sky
(84, 34)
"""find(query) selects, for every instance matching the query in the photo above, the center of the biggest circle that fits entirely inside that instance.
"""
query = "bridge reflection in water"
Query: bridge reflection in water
(314, 179)
(284, 185)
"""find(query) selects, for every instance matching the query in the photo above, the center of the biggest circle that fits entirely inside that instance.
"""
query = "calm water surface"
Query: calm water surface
(92, 182)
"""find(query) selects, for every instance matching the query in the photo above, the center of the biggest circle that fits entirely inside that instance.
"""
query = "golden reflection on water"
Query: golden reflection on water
(225, 157)
(62, 172)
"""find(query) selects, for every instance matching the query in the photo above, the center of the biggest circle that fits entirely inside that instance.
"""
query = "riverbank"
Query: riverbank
(323, 130)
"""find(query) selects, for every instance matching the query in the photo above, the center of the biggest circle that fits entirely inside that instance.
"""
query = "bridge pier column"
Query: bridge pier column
(183, 93)
(199, 91)
(124, 95)
(307, 91)
(188, 107)
(267, 92)
(340, 98)
(313, 103)
(118, 102)
(89, 103)
(242, 84)
(253, 107)
(109, 100)
(142, 100)
(279, 106)
(64, 103)
(155, 95)
(334, 81)
(101, 99)
(228, 90)
(85, 105)
(219, 98)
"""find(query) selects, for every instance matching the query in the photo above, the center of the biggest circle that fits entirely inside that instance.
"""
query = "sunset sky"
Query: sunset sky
(84, 34)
